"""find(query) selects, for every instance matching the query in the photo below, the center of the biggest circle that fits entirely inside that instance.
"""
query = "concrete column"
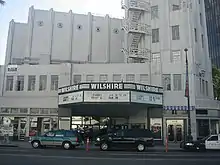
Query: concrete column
(19, 128)
(217, 127)
(51, 32)
(27, 127)
(71, 35)
(51, 123)
(90, 17)
(10, 42)
(209, 126)
(108, 36)
(30, 31)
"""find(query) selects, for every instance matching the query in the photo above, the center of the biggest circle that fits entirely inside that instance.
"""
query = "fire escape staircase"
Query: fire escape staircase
(135, 29)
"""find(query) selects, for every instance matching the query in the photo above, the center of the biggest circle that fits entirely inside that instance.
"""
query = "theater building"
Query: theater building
(67, 70)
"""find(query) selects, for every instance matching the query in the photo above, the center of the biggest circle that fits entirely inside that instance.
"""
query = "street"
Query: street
(21, 156)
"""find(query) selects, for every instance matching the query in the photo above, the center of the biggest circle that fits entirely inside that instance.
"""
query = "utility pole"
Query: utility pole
(187, 95)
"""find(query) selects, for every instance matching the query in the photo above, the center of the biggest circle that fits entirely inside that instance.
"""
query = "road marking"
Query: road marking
(104, 158)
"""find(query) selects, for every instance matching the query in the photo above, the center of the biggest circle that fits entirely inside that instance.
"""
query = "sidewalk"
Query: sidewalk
(157, 148)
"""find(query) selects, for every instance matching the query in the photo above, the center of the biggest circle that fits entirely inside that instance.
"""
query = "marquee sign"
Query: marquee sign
(146, 98)
(110, 87)
(106, 96)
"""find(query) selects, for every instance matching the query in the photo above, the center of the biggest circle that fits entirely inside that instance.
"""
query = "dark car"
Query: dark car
(62, 138)
(198, 145)
(137, 139)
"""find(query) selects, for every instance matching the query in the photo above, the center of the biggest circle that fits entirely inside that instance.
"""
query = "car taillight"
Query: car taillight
(76, 139)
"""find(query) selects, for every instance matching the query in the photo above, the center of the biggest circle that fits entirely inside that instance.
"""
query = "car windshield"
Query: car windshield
(205, 138)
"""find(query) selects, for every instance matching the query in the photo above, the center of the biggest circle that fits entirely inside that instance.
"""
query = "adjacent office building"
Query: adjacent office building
(64, 70)
(212, 8)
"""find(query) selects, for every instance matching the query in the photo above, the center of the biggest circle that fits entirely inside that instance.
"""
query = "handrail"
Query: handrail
(138, 27)
(136, 4)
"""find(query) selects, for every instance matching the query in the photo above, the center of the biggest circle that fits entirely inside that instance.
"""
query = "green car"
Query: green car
(67, 139)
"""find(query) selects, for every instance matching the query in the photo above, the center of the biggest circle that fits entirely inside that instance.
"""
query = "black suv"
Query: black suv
(137, 139)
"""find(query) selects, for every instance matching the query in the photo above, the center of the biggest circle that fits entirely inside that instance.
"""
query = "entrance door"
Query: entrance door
(175, 130)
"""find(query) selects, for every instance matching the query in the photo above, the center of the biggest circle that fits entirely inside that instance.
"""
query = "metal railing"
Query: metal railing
(136, 4)
(137, 53)
(136, 27)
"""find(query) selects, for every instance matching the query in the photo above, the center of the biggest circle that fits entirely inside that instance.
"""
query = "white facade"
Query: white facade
(50, 41)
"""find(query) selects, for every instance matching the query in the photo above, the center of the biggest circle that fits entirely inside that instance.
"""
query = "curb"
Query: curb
(8, 145)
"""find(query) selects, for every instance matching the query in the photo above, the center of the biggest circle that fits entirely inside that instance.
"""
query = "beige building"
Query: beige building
(57, 49)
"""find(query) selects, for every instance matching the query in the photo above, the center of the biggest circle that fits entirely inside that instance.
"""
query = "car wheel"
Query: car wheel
(67, 145)
(140, 147)
(36, 144)
(104, 147)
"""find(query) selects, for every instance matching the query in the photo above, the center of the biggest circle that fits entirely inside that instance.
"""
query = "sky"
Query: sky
(18, 10)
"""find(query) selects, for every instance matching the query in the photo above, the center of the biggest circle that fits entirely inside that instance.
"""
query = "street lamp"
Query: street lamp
(189, 135)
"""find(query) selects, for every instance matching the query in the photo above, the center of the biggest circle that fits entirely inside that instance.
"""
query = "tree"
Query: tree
(216, 82)
(2, 2)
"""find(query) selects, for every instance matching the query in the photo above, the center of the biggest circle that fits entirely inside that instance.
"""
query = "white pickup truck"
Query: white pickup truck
(211, 142)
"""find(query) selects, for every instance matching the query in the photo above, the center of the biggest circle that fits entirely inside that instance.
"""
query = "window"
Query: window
(156, 57)
(130, 78)
(175, 56)
(31, 83)
(60, 25)
(203, 86)
(70, 134)
(20, 83)
(43, 83)
(40, 23)
(175, 7)
(144, 78)
(116, 31)
(98, 29)
(79, 27)
(154, 12)
(213, 138)
(166, 82)
(90, 78)
(200, 18)
(207, 88)
(155, 35)
(200, 85)
(175, 32)
(9, 83)
(77, 79)
(195, 33)
(103, 78)
(54, 82)
(59, 134)
(177, 82)
(49, 134)
(202, 37)
(117, 77)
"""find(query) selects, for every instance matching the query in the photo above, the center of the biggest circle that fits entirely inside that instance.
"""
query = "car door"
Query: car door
(212, 142)
(117, 139)
(47, 138)
(129, 139)
(58, 138)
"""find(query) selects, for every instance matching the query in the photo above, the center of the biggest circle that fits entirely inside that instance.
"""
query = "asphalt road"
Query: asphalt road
(16, 156)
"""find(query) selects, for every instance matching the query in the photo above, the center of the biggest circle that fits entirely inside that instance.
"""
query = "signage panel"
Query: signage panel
(70, 98)
(106, 96)
(111, 86)
(146, 98)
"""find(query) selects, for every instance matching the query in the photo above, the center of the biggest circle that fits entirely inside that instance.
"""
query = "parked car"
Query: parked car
(137, 139)
(211, 142)
(61, 138)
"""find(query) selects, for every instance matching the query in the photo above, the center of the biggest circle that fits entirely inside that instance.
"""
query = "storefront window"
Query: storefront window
(203, 128)
(156, 128)
(5, 110)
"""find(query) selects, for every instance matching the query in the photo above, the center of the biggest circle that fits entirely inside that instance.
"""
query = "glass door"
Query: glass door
(171, 133)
